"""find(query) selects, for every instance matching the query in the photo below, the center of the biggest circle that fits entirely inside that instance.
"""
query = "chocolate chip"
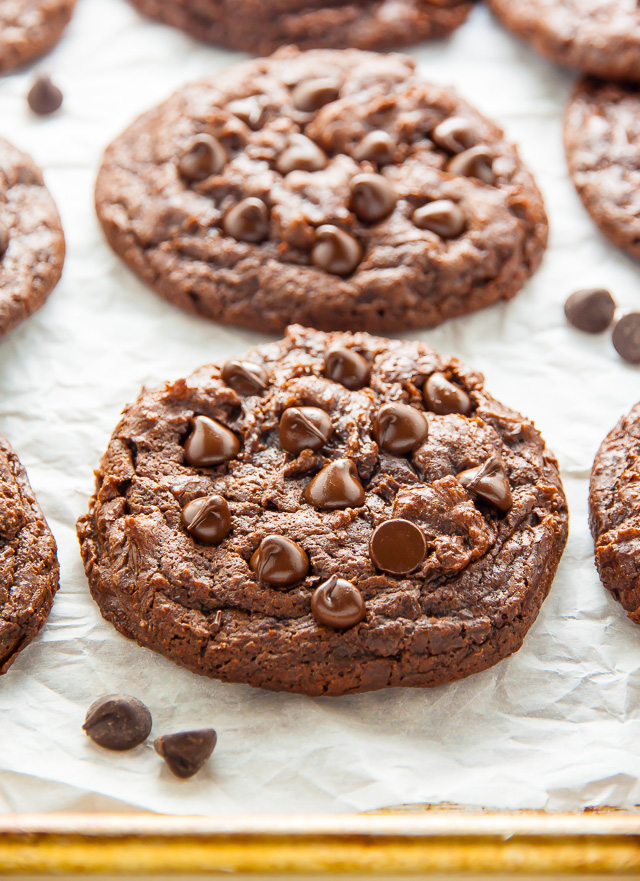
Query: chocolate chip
(249, 110)
(4, 241)
(372, 197)
(185, 753)
(443, 397)
(347, 367)
(302, 154)
(44, 96)
(204, 156)
(377, 147)
(208, 519)
(626, 337)
(400, 429)
(443, 217)
(454, 134)
(590, 310)
(475, 162)
(210, 443)
(489, 483)
(248, 221)
(245, 377)
(337, 486)
(311, 95)
(398, 546)
(338, 604)
(280, 561)
(304, 428)
(335, 251)
(118, 722)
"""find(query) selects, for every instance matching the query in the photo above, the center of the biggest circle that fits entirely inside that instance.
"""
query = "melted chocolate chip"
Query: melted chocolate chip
(208, 519)
(337, 486)
(454, 134)
(210, 443)
(475, 162)
(400, 429)
(336, 251)
(347, 367)
(4, 241)
(311, 95)
(245, 377)
(489, 483)
(204, 156)
(248, 110)
(280, 561)
(590, 310)
(185, 753)
(377, 147)
(626, 337)
(118, 722)
(248, 221)
(44, 96)
(302, 154)
(443, 397)
(304, 428)
(398, 546)
(372, 197)
(338, 604)
(443, 217)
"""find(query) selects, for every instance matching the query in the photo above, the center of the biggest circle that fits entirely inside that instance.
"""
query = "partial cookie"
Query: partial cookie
(336, 189)
(31, 239)
(29, 28)
(260, 26)
(599, 37)
(602, 142)
(329, 514)
(29, 570)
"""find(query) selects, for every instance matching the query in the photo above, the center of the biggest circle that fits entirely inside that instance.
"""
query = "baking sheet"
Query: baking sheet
(556, 726)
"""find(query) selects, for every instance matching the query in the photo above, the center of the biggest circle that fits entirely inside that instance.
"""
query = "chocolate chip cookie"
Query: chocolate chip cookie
(260, 26)
(602, 142)
(329, 514)
(31, 239)
(29, 28)
(28, 560)
(332, 188)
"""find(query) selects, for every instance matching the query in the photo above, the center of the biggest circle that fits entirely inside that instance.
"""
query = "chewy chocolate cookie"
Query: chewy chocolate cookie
(29, 28)
(31, 239)
(28, 560)
(602, 142)
(336, 189)
(329, 514)
(614, 512)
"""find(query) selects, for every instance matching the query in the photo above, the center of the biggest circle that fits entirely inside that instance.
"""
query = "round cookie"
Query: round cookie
(363, 199)
(29, 569)
(599, 37)
(602, 142)
(614, 512)
(260, 26)
(29, 28)
(31, 239)
(329, 514)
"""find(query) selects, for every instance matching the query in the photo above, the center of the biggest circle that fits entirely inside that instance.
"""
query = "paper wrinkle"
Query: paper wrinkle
(556, 726)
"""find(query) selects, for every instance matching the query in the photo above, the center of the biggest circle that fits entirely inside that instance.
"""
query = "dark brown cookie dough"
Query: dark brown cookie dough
(602, 142)
(29, 28)
(407, 544)
(28, 560)
(31, 239)
(366, 199)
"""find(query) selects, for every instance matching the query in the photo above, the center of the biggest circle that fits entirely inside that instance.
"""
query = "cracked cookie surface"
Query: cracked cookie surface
(29, 28)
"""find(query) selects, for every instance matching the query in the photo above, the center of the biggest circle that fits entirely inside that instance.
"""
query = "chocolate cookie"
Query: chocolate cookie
(260, 26)
(602, 141)
(31, 238)
(614, 512)
(336, 189)
(599, 37)
(329, 514)
(29, 28)
(28, 560)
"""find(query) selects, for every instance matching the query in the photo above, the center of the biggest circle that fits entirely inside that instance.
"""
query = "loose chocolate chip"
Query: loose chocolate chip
(443, 397)
(347, 367)
(245, 377)
(398, 546)
(279, 561)
(208, 519)
(304, 428)
(249, 110)
(377, 147)
(372, 197)
(4, 241)
(338, 604)
(337, 486)
(443, 217)
(454, 134)
(400, 429)
(118, 722)
(301, 155)
(475, 162)
(210, 443)
(311, 95)
(185, 753)
(590, 310)
(248, 221)
(204, 156)
(626, 337)
(489, 483)
(335, 251)
(44, 96)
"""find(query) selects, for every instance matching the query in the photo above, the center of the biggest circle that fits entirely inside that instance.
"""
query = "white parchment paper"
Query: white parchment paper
(556, 726)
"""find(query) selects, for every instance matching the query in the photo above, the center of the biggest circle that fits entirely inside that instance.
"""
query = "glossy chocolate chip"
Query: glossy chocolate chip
(377, 147)
(245, 377)
(249, 110)
(488, 482)
(337, 486)
(210, 443)
(208, 519)
(476, 162)
(626, 337)
(400, 429)
(590, 310)
(187, 752)
(248, 221)
(338, 604)
(4, 241)
(443, 217)
(347, 367)
(443, 397)
(44, 96)
(336, 251)
(398, 546)
(204, 156)
(118, 722)
(304, 428)
(372, 197)
(454, 134)
(279, 561)
(302, 154)
(311, 95)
